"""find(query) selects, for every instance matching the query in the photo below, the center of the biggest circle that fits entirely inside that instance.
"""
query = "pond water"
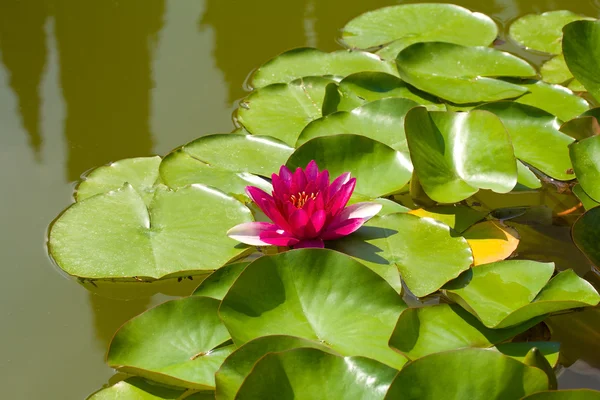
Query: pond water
(86, 83)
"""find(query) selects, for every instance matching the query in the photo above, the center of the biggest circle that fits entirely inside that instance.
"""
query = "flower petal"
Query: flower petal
(344, 229)
(316, 223)
(298, 221)
(338, 183)
(340, 199)
(278, 238)
(317, 243)
(298, 181)
(267, 204)
(249, 232)
(312, 170)
(365, 210)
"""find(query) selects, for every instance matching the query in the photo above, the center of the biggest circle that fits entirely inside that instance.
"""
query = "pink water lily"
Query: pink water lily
(305, 209)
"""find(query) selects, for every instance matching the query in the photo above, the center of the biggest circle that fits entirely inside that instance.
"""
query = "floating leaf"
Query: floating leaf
(455, 154)
(572, 394)
(555, 99)
(389, 206)
(179, 169)
(555, 70)
(586, 200)
(260, 155)
(406, 241)
(462, 74)
(586, 232)
(535, 137)
(422, 22)
(316, 375)
(364, 87)
(136, 388)
(114, 235)
(457, 217)
(520, 350)
(433, 329)
(379, 170)
(461, 377)
(282, 110)
(579, 335)
(491, 241)
(319, 295)
(176, 343)
(526, 178)
(507, 293)
(141, 173)
(535, 358)
(542, 32)
(583, 127)
(581, 47)
(218, 283)
(240, 363)
(307, 61)
(585, 155)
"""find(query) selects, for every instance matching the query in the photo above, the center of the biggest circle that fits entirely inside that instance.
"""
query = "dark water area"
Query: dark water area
(84, 83)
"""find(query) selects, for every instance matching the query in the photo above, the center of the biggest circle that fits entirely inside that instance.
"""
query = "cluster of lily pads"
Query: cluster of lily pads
(430, 299)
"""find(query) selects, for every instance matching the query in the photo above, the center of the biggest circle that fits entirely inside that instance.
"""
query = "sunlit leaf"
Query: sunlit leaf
(526, 177)
(520, 350)
(136, 389)
(218, 283)
(457, 217)
(555, 70)
(586, 200)
(491, 241)
(555, 99)
(581, 47)
(535, 358)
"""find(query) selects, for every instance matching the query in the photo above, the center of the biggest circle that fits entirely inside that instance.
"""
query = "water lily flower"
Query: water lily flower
(305, 209)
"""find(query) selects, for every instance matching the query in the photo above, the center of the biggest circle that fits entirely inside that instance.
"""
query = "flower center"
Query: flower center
(299, 199)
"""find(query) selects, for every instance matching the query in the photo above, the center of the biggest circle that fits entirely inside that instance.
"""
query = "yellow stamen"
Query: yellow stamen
(300, 199)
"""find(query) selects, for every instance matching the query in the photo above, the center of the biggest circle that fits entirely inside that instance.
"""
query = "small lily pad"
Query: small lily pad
(555, 70)
(136, 388)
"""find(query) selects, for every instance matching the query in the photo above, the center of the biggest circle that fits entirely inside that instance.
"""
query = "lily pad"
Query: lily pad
(307, 61)
(457, 217)
(114, 235)
(388, 206)
(260, 155)
(180, 169)
(240, 363)
(555, 70)
(319, 295)
(542, 32)
(282, 110)
(141, 173)
(178, 343)
(381, 120)
(572, 394)
(379, 169)
(585, 155)
(218, 283)
(581, 128)
(316, 375)
(406, 241)
(423, 22)
(526, 178)
(586, 200)
(535, 358)
(581, 47)
(363, 87)
(491, 241)
(456, 154)
(462, 74)
(507, 293)
(433, 329)
(586, 232)
(461, 377)
(555, 99)
(136, 388)
(520, 350)
(536, 138)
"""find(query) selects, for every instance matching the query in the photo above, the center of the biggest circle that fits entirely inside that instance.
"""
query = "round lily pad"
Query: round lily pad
(555, 70)
(319, 295)
(136, 388)
(457, 217)
(114, 235)
(218, 283)
(491, 241)
(555, 99)
(181, 342)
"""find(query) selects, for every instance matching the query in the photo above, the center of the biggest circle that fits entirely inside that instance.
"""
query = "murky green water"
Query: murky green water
(83, 83)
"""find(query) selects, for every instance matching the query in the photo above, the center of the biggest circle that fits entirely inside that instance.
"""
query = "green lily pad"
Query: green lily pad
(363, 87)
(526, 177)
(240, 363)
(581, 48)
(259, 155)
(572, 394)
(319, 295)
(316, 375)
(576, 86)
(427, 330)
(379, 169)
(114, 235)
(462, 74)
(555, 99)
(507, 293)
(586, 200)
(542, 32)
(555, 70)
(586, 231)
(423, 22)
(306, 61)
(461, 377)
(180, 169)
(405, 240)
(282, 110)
(585, 155)
(520, 350)
(176, 343)
(458, 217)
(535, 138)
(388, 206)
(141, 173)
(535, 358)
(136, 388)
(381, 120)
(217, 284)
(456, 154)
